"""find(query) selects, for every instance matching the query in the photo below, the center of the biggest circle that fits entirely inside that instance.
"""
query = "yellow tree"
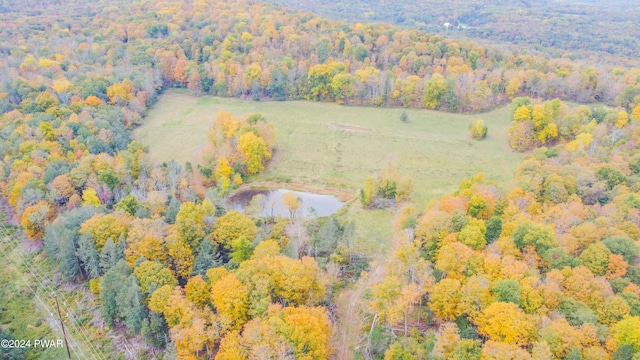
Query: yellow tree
(159, 298)
(635, 114)
(122, 91)
(622, 119)
(197, 291)
(254, 151)
(627, 331)
(189, 338)
(101, 227)
(475, 295)
(90, 197)
(150, 246)
(190, 225)
(434, 90)
(150, 273)
(180, 257)
(34, 218)
(505, 322)
(523, 113)
(495, 350)
(382, 297)
(232, 226)
(223, 173)
(309, 329)
(444, 299)
(230, 298)
(292, 203)
(231, 348)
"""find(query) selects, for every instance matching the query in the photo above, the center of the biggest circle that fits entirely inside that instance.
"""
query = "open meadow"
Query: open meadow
(333, 147)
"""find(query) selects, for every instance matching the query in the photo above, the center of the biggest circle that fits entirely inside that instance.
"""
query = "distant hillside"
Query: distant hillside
(565, 26)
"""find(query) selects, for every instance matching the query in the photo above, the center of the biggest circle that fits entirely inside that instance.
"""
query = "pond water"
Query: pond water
(269, 203)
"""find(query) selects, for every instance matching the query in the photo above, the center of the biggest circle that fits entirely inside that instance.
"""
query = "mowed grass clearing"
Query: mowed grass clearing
(336, 147)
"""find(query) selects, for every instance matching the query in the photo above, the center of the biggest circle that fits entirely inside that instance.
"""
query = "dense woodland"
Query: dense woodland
(558, 251)
(560, 28)
(546, 269)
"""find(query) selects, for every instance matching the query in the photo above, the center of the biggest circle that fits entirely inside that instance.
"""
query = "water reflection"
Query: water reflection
(268, 203)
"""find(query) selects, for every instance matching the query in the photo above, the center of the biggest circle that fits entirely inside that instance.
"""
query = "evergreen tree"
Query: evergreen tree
(67, 257)
(172, 210)
(61, 236)
(128, 302)
(155, 330)
(494, 229)
(108, 256)
(121, 246)
(88, 256)
(327, 239)
(109, 286)
(208, 257)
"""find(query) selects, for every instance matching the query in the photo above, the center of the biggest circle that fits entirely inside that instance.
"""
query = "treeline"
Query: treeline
(548, 269)
(546, 123)
(262, 51)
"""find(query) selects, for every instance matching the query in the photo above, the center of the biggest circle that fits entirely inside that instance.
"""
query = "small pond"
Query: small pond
(269, 203)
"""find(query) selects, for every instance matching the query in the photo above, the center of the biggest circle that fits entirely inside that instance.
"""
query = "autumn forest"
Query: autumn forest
(140, 258)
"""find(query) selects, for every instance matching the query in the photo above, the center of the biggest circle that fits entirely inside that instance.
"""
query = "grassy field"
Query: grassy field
(337, 147)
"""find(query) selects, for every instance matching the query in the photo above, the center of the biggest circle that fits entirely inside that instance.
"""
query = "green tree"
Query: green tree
(155, 330)
(623, 352)
(129, 303)
(494, 229)
(622, 245)
(610, 176)
(11, 352)
(467, 349)
(129, 204)
(596, 258)
(190, 223)
(404, 117)
(241, 249)
(539, 236)
(577, 313)
(506, 291)
(110, 255)
(88, 256)
(172, 210)
(110, 285)
(208, 257)
(434, 91)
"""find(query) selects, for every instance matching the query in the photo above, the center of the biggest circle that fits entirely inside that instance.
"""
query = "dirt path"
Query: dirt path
(349, 323)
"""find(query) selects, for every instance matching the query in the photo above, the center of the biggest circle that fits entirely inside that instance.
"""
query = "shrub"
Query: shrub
(478, 129)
